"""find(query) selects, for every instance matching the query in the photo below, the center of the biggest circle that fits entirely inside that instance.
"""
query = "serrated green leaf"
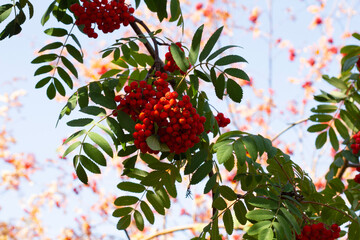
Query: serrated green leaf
(234, 90)
(260, 215)
(45, 58)
(227, 193)
(80, 172)
(99, 140)
(124, 222)
(139, 220)
(251, 147)
(320, 118)
(229, 59)
(291, 219)
(51, 92)
(333, 139)
(88, 164)
(119, 212)
(210, 184)
(219, 203)
(110, 73)
(240, 152)
(81, 122)
(220, 86)
(210, 44)
(179, 57)
(71, 148)
(147, 212)
(240, 211)
(156, 202)
(261, 202)
(46, 15)
(56, 32)
(131, 187)
(224, 153)
(258, 227)
(238, 73)
(201, 172)
(324, 108)
(342, 130)
(43, 69)
(74, 53)
(195, 45)
(94, 110)
(126, 122)
(94, 154)
(266, 234)
(69, 66)
(320, 140)
(74, 136)
(126, 200)
(83, 97)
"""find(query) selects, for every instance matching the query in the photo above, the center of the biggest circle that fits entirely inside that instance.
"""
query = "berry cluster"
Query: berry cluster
(318, 232)
(221, 120)
(357, 177)
(108, 16)
(159, 112)
(356, 143)
(170, 65)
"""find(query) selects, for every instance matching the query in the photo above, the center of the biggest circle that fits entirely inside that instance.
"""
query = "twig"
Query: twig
(291, 125)
(182, 228)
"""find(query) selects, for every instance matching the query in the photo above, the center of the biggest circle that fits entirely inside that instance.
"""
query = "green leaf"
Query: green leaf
(266, 234)
(80, 172)
(195, 45)
(228, 222)
(240, 211)
(224, 153)
(291, 219)
(153, 143)
(317, 127)
(43, 82)
(51, 92)
(234, 90)
(45, 58)
(258, 227)
(75, 135)
(139, 220)
(260, 215)
(81, 122)
(220, 51)
(71, 148)
(349, 63)
(74, 53)
(51, 46)
(229, 59)
(124, 222)
(99, 140)
(240, 152)
(210, 44)
(320, 140)
(227, 193)
(175, 10)
(126, 200)
(147, 212)
(161, 192)
(65, 76)
(5, 11)
(210, 184)
(94, 110)
(131, 187)
(220, 86)
(201, 173)
(333, 139)
(69, 66)
(43, 69)
(46, 15)
(126, 122)
(342, 130)
(110, 73)
(88, 164)
(320, 118)
(251, 147)
(235, 72)
(94, 154)
(127, 151)
(56, 32)
(338, 83)
(156, 202)
(219, 203)
(261, 202)
(119, 212)
(179, 57)
(83, 97)
(59, 87)
(324, 108)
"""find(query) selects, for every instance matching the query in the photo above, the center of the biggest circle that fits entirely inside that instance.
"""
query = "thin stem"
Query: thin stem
(287, 176)
(127, 234)
(333, 208)
(291, 125)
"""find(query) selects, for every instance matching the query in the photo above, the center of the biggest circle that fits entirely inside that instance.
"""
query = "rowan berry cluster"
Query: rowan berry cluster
(319, 232)
(221, 120)
(357, 177)
(159, 112)
(356, 143)
(108, 16)
(170, 65)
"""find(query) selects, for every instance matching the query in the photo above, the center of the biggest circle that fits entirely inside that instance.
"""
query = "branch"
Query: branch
(181, 228)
